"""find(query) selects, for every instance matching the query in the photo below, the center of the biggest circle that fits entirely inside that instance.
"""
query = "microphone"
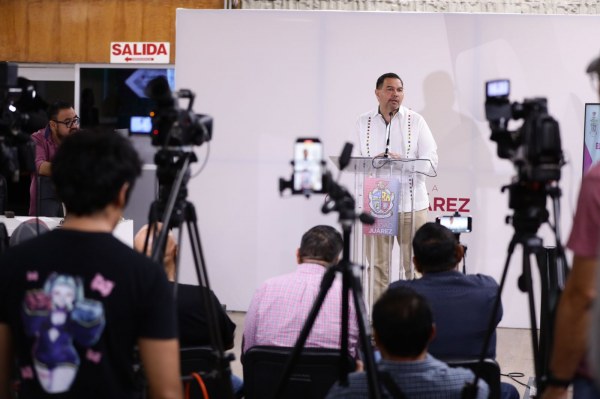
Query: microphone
(345, 156)
(387, 140)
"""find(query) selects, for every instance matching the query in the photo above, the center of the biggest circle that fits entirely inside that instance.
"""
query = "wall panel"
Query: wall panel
(80, 31)
(311, 73)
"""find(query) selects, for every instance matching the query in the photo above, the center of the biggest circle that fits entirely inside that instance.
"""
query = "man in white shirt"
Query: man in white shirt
(409, 138)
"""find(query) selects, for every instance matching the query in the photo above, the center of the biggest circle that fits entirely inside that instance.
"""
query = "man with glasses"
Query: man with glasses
(62, 122)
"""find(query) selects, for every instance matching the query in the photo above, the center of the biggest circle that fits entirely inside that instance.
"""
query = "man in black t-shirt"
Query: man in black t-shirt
(76, 301)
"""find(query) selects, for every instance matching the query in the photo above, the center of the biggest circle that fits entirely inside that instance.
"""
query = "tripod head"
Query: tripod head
(172, 163)
(528, 199)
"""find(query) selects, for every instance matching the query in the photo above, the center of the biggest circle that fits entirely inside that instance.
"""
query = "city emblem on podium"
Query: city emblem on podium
(381, 200)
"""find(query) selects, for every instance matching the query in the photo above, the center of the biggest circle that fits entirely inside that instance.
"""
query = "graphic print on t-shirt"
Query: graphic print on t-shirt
(58, 317)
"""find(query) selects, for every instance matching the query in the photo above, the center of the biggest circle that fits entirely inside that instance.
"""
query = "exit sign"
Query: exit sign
(140, 52)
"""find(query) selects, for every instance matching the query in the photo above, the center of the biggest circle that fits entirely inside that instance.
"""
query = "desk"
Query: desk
(123, 231)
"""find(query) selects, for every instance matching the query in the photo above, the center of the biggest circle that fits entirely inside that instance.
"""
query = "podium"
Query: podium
(384, 188)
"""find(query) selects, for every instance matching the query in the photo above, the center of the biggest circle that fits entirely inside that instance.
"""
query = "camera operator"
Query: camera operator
(63, 121)
(568, 364)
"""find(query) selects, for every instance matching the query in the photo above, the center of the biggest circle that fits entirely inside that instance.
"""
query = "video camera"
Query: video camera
(16, 149)
(535, 148)
(171, 125)
(172, 129)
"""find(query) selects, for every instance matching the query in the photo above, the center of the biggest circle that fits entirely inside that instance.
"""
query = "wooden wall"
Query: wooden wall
(80, 31)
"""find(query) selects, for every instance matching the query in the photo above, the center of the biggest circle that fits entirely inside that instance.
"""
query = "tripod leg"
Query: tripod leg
(344, 333)
(492, 324)
(364, 333)
(532, 314)
(223, 368)
(547, 264)
(308, 324)
(202, 276)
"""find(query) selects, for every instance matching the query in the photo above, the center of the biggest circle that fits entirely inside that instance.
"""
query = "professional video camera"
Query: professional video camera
(535, 148)
(16, 149)
(174, 129)
(171, 125)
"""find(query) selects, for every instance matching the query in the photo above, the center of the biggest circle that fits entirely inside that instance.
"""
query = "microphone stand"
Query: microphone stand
(387, 135)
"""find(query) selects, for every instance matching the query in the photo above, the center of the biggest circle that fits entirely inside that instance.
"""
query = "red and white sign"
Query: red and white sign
(140, 52)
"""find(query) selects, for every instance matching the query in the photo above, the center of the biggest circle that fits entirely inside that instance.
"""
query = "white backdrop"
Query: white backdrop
(268, 77)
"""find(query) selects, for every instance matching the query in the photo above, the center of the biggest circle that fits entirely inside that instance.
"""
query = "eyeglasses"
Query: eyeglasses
(69, 122)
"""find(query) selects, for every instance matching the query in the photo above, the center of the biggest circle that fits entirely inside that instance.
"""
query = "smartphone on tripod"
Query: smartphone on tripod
(309, 166)
(456, 223)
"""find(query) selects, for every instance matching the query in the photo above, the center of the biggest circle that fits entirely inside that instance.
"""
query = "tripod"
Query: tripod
(526, 221)
(173, 174)
(340, 200)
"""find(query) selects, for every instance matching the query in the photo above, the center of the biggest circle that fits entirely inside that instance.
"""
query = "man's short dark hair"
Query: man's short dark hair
(56, 107)
(90, 167)
(321, 243)
(594, 66)
(403, 321)
(434, 247)
(383, 77)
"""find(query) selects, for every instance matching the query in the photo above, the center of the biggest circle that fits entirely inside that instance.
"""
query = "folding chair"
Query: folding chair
(314, 374)
(489, 371)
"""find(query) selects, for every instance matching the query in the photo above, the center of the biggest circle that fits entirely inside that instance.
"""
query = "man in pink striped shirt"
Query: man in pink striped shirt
(281, 304)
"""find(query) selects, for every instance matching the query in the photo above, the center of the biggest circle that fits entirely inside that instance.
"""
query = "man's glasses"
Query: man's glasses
(69, 122)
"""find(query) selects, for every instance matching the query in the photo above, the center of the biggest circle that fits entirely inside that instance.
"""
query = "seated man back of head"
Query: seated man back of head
(403, 327)
(75, 301)
(281, 305)
(462, 304)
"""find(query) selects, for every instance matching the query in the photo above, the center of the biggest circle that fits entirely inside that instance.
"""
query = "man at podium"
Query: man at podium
(396, 132)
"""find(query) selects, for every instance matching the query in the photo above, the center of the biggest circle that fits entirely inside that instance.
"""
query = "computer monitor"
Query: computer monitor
(591, 136)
